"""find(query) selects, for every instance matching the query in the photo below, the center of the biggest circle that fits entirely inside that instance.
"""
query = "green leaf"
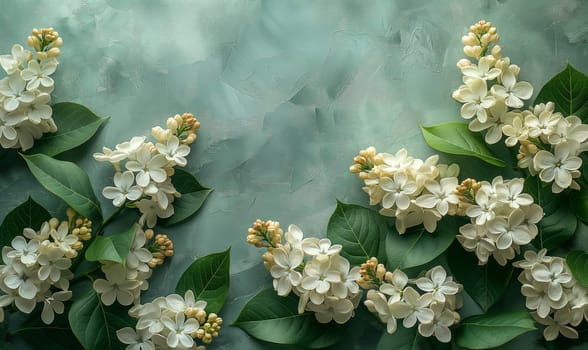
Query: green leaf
(578, 264)
(556, 228)
(76, 124)
(361, 232)
(193, 196)
(27, 215)
(456, 138)
(67, 181)
(580, 200)
(569, 91)
(112, 248)
(488, 331)
(275, 319)
(409, 339)
(417, 246)
(56, 336)
(95, 324)
(485, 284)
(208, 278)
(542, 194)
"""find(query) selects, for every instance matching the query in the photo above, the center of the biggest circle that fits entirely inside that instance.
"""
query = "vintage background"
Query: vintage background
(287, 92)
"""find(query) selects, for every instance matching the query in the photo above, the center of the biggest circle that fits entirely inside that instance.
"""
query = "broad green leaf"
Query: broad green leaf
(542, 194)
(417, 246)
(580, 203)
(76, 124)
(485, 284)
(556, 228)
(27, 215)
(193, 196)
(67, 181)
(112, 248)
(361, 232)
(569, 91)
(275, 319)
(578, 264)
(492, 330)
(95, 324)
(456, 138)
(409, 339)
(56, 336)
(208, 278)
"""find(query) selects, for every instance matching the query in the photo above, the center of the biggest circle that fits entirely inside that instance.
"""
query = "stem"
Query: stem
(108, 220)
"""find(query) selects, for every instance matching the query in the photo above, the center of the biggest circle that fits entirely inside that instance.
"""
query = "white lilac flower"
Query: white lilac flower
(376, 302)
(39, 109)
(148, 167)
(438, 284)
(483, 210)
(333, 308)
(315, 280)
(510, 230)
(537, 299)
(115, 286)
(52, 264)
(294, 236)
(22, 304)
(512, 91)
(542, 121)
(53, 304)
(442, 195)
(180, 330)
(139, 256)
(109, 155)
(284, 271)
(343, 281)
(484, 70)
(8, 135)
(533, 258)
(443, 319)
(515, 131)
(13, 90)
(395, 289)
(136, 340)
(475, 99)
(558, 167)
(129, 148)
(27, 252)
(556, 275)
(474, 238)
(512, 193)
(398, 191)
(38, 74)
(570, 129)
(63, 240)
(557, 325)
(493, 124)
(151, 210)
(321, 248)
(18, 57)
(149, 316)
(414, 307)
(177, 303)
(173, 151)
(123, 189)
(397, 162)
(24, 280)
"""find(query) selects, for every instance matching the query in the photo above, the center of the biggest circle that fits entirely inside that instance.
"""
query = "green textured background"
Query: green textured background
(287, 93)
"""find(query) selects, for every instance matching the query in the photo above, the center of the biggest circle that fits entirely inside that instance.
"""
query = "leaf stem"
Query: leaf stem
(104, 223)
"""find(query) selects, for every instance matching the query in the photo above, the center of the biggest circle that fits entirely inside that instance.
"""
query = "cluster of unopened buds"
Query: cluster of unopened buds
(125, 282)
(392, 296)
(503, 218)
(36, 266)
(324, 282)
(558, 301)
(144, 170)
(171, 322)
(549, 143)
(411, 190)
(25, 113)
(161, 248)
